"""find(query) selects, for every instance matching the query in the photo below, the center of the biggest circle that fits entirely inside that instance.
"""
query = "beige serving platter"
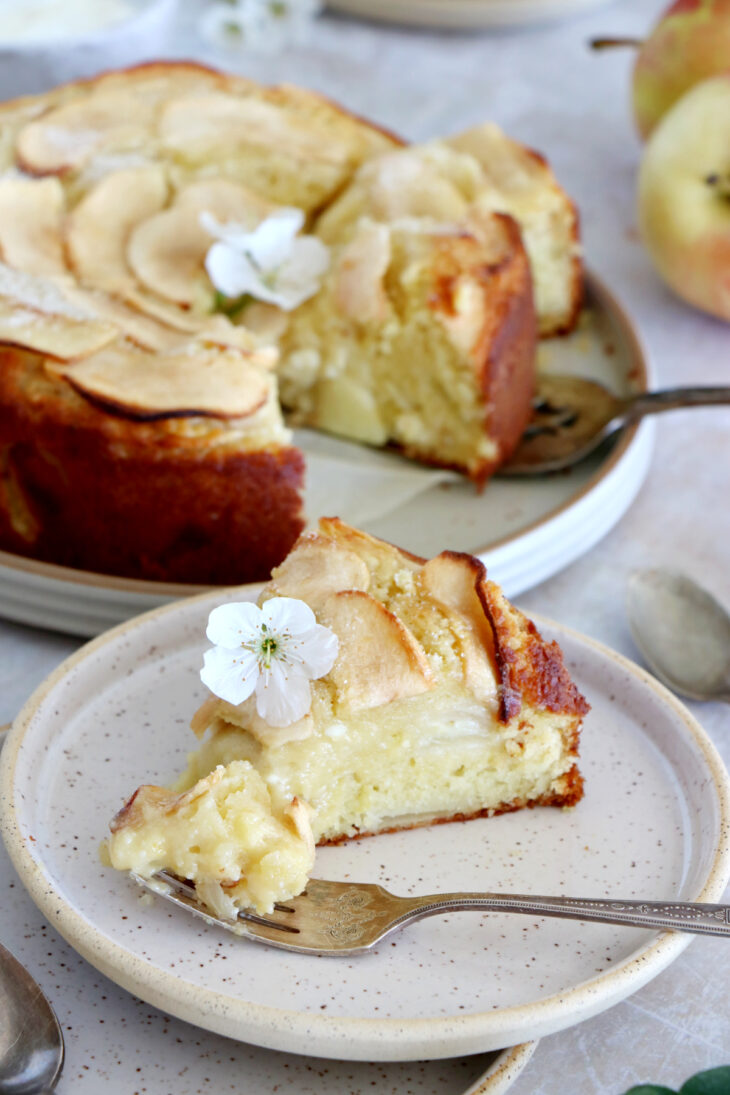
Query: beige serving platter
(524, 529)
(654, 823)
(465, 13)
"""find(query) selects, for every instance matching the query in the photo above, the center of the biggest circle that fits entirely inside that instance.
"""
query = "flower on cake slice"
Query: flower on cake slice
(271, 652)
(272, 263)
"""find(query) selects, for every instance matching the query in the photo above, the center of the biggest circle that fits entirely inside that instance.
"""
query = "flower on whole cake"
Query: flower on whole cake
(272, 263)
(271, 652)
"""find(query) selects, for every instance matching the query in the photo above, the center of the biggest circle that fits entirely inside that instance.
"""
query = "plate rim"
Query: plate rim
(465, 14)
(503, 1071)
(638, 368)
(345, 1035)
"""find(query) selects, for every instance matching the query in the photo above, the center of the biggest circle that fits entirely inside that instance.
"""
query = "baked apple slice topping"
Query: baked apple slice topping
(140, 329)
(225, 199)
(187, 382)
(167, 251)
(359, 291)
(99, 227)
(196, 126)
(66, 137)
(380, 660)
(317, 568)
(452, 581)
(31, 218)
(36, 315)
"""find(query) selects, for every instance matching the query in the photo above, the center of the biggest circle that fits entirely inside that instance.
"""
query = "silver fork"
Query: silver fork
(341, 918)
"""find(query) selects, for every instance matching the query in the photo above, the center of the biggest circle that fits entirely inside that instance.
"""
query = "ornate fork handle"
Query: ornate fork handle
(704, 919)
(673, 399)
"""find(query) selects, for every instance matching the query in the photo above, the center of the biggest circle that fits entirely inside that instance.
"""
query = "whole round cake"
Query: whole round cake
(186, 256)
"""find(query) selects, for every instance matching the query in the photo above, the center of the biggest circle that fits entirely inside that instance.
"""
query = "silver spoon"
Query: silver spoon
(683, 633)
(31, 1042)
(572, 416)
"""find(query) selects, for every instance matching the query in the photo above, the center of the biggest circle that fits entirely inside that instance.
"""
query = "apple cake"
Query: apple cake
(441, 702)
(141, 425)
(224, 834)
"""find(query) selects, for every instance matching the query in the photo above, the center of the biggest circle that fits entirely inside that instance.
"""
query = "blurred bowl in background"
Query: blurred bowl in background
(41, 57)
(464, 14)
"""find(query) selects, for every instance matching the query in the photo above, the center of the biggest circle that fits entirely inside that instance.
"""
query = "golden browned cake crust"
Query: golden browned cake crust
(504, 350)
(101, 492)
(518, 180)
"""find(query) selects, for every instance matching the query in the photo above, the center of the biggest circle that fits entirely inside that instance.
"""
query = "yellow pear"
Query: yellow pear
(684, 196)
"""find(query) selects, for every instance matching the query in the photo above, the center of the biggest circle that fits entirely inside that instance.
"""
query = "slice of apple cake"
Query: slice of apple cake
(443, 702)
(379, 691)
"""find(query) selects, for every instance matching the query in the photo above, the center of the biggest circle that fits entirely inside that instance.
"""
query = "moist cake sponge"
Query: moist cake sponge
(419, 339)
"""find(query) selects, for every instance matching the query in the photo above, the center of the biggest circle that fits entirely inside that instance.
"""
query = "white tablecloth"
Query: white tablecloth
(545, 87)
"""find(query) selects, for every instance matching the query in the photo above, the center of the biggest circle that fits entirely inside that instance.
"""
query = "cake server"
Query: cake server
(341, 918)
(572, 416)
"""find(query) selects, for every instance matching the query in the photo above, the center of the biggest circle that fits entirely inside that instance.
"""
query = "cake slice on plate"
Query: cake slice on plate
(383, 690)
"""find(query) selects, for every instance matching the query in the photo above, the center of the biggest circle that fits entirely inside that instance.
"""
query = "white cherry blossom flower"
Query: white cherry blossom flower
(274, 652)
(272, 263)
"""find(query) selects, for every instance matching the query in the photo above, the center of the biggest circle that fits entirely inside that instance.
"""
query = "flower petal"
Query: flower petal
(287, 614)
(308, 258)
(231, 676)
(315, 651)
(289, 297)
(231, 232)
(233, 624)
(282, 695)
(232, 272)
(285, 299)
(271, 242)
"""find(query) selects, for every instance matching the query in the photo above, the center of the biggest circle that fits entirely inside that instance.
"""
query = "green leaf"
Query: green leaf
(715, 1081)
(651, 1089)
(230, 306)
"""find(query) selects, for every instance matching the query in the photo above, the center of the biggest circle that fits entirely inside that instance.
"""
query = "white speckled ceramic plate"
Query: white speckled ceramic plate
(524, 529)
(653, 823)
